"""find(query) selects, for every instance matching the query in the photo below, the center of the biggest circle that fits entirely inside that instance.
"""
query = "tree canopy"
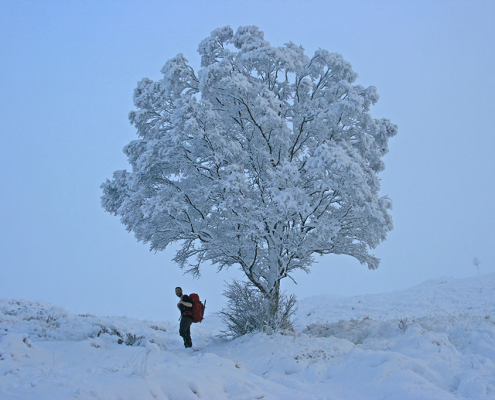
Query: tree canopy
(261, 159)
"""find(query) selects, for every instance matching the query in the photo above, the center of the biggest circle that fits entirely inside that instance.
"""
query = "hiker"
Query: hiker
(185, 307)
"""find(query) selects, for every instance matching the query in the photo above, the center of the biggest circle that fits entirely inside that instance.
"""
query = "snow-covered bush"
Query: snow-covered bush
(248, 311)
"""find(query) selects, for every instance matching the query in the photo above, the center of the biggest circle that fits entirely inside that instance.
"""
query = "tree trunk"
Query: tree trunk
(274, 299)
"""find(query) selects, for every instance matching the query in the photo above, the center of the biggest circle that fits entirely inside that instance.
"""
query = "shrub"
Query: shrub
(248, 311)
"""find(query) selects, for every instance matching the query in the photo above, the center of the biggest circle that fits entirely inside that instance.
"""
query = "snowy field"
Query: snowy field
(433, 341)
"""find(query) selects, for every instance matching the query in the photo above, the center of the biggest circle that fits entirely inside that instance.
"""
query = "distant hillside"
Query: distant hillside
(443, 296)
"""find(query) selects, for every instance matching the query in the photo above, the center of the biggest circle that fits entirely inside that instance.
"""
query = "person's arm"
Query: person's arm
(185, 303)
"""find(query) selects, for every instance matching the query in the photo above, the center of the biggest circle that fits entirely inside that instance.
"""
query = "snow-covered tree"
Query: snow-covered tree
(262, 159)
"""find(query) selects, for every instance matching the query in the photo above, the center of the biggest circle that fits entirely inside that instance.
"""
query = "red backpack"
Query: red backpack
(198, 308)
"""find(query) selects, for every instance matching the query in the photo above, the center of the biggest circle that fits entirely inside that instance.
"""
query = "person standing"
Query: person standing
(186, 319)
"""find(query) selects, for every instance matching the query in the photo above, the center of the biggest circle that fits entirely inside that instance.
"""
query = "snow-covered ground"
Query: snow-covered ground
(433, 341)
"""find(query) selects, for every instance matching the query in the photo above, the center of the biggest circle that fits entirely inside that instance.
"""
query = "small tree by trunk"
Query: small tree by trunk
(248, 310)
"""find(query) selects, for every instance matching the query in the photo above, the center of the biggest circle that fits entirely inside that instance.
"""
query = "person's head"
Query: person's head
(178, 291)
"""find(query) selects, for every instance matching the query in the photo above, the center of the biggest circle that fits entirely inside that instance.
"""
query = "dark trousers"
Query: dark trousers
(185, 330)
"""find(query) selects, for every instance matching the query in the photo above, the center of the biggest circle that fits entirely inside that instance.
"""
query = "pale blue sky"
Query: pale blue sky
(67, 73)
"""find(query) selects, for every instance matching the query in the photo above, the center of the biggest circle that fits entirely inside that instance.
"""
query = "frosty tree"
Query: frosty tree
(262, 159)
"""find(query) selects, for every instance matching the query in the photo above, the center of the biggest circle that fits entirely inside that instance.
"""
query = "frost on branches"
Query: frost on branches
(261, 159)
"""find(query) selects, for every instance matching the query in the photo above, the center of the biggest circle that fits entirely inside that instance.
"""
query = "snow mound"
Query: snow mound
(43, 321)
(433, 341)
